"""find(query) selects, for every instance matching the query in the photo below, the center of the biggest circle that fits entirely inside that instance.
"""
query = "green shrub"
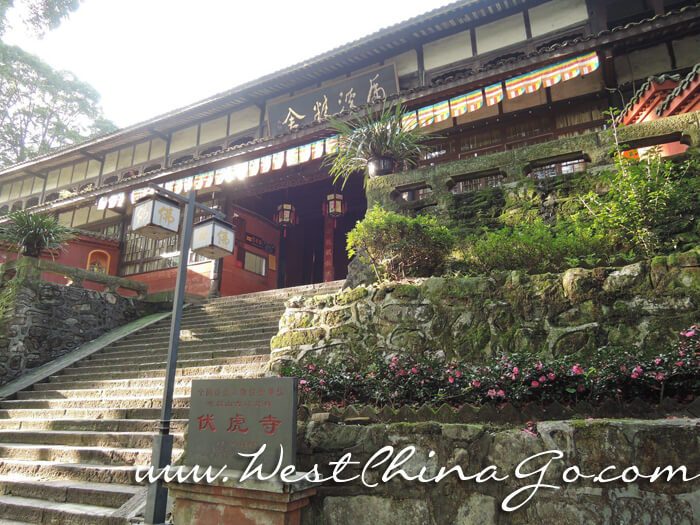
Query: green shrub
(398, 246)
(643, 203)
(534, 247)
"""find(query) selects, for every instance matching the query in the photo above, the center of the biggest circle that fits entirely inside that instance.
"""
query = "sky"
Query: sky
(148, 57)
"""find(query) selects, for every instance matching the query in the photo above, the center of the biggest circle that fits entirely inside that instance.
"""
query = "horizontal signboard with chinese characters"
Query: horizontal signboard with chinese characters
(347, 95)
(228, 416)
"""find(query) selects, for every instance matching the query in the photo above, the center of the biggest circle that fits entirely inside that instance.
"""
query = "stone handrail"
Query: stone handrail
(30, 267)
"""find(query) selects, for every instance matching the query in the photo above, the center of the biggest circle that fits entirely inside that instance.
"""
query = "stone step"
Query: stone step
(90, 413)
(80, 403)
(212, 326)
(237, 310)
(182, 352)
(243, 343)
(115, 383)
(214, 341)
(33, 510)
(225, 317)
(51, 470)
(149, 426)
(237, 364)
(100, 494)
(83, 439)
(307, 289)
(223, 371)
(107, 393)
(76, 454)
(230, 355)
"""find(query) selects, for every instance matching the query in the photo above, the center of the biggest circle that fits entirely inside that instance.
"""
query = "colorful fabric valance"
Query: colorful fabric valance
(494, 94)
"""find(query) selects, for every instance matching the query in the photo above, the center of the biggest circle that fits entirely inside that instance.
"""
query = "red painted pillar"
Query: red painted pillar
(328, 270)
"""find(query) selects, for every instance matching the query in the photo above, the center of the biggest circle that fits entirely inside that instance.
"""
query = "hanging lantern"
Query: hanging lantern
(335, 206)
(286, 216)
(213, 238)
(156, 217)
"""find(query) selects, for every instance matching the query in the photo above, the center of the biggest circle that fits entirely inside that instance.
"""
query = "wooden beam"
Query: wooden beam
(91, 156)
(158, 134)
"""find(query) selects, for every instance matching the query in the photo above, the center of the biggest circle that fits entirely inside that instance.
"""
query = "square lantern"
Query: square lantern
(156, 217)
(213, 238)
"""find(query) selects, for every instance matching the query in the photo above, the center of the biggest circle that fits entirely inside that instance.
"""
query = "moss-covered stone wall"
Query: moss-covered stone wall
(590, 445)
(516, 163)
(643, 304)
(40, 321)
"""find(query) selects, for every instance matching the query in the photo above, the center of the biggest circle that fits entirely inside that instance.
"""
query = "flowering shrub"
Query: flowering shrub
(517, 378)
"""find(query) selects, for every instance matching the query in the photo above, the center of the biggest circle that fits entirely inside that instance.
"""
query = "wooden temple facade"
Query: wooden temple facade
(485, 75)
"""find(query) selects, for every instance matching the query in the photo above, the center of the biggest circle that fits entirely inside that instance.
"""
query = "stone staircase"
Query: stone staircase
(70, 446)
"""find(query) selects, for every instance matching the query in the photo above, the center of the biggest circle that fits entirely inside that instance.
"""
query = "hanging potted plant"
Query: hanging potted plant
(375, 144)
(30, 233)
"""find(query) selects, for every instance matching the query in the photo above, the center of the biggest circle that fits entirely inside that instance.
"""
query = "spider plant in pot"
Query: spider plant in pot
(30, 233)
(375, 144)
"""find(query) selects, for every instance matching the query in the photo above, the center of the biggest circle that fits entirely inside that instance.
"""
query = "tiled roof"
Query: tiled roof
(646, 86)
(318, 129)
(679, 89)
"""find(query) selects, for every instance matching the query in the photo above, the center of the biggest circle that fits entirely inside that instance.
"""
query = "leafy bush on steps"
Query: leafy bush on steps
(397, 246)
(518, 378)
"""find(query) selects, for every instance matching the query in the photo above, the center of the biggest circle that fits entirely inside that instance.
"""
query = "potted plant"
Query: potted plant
(30, 233)
(375, 144)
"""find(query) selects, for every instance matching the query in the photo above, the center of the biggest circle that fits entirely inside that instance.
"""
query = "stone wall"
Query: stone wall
(40, 321)
(469, 318)
(515, 164)
(591, 445)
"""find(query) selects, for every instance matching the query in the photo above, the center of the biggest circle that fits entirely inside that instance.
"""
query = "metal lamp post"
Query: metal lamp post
(157, 495)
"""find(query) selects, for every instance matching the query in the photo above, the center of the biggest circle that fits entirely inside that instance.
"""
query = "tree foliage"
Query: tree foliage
(42, 109)
(38, 15)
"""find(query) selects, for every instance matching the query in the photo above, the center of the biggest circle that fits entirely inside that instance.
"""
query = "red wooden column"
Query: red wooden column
(328, 270)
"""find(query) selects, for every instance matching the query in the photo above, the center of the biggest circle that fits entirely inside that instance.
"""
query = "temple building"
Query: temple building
(486, 76)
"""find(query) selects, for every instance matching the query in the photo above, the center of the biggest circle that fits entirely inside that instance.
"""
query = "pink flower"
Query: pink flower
(501, 393)
(515, 370)
(689, 333)
(634, 375)
(623, 368)
(491, 393)
(539, 366)
(660, 376)
(322, 382)
(458, 373)
(476, 384)
(551, 375)
(638, 369)
(307, 388)
(679, 363)
(576, 369)
(542, 379)
(534, 384)
(414, 370)
(312, 367)
(394, 359)
(451, 379)
(657, 360)
(302, 382)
